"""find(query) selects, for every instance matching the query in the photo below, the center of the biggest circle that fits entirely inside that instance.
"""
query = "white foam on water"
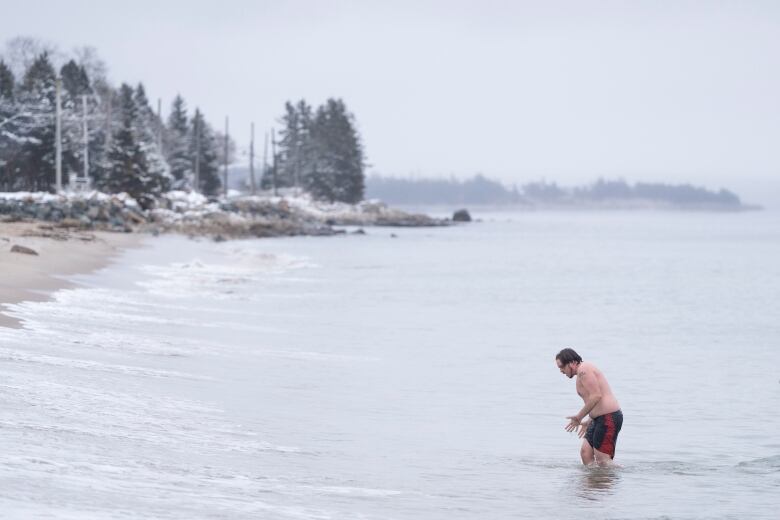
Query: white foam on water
(357, 491)
(234, 277)
(20, 356)
(103, 390)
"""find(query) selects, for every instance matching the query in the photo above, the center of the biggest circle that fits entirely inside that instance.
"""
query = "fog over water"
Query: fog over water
(412, 377)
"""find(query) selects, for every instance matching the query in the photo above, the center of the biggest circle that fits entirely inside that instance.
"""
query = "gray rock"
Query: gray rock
(16, 248)
(461, 215)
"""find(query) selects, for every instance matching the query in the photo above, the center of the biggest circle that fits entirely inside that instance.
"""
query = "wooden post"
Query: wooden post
(252, 158)
(273, 161)
(198, 117)
(86, 140)
(265, 155)
(159, 126)
(58, 135)
(225, 190)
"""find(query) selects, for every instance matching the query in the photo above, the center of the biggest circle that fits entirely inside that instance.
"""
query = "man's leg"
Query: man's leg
(602, 459)
(587, 453)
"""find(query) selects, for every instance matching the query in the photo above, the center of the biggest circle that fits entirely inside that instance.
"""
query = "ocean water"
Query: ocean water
(404, 377)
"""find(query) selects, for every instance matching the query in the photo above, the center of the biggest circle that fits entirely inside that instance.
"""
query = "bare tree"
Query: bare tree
(21, 52)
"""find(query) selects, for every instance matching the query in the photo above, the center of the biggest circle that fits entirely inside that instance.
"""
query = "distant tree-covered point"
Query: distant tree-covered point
(601, 194)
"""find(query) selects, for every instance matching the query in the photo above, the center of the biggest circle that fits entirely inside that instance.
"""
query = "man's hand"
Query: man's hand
(583, 427)
(574, 421)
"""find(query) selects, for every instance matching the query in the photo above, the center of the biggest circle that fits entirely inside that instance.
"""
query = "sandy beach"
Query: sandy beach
(60, 253)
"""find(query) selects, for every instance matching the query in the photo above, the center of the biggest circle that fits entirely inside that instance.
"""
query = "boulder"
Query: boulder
(16, 248)
(462, 215)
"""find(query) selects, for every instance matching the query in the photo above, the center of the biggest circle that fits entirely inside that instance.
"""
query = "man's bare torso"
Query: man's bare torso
(607, 403)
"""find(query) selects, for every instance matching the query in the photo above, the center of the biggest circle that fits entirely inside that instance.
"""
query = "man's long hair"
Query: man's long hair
(568, 355)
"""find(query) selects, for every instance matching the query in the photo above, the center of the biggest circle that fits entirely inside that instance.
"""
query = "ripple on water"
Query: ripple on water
(761, 466)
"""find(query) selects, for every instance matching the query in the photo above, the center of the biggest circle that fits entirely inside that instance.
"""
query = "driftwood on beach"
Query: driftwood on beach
(193, 214)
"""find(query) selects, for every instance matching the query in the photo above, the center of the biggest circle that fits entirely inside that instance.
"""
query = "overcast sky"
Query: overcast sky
(669, 91)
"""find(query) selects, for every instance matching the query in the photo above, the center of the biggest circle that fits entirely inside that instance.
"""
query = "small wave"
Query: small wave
(42, 359)
(356, 491)
(314, 356)
(762, 466)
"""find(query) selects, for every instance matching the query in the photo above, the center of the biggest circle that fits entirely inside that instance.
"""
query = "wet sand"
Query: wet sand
(61, 253)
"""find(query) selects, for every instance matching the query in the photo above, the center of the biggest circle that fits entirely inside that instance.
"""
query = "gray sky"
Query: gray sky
(669, 91)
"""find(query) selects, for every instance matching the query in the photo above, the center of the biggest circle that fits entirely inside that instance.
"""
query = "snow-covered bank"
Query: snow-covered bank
(194, 214)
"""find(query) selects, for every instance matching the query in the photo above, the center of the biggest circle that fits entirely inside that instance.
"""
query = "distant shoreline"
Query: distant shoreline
(599, 195)
(576, 208)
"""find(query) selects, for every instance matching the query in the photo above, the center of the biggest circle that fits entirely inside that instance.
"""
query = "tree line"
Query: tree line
(130, 148)
(481, 190)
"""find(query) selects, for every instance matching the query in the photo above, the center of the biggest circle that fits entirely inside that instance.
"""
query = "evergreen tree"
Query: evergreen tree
(40, 79)
(289, 148)
(37, 95)
(204, 148)
(7, 83)
(106, 123)
(75, 82)
(75, 85)
(129, 164)
(336, 171)
(148, 127)
(177, 146)
(8, 115)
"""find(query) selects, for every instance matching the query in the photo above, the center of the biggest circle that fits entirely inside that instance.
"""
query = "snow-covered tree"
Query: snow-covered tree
(103, 120)
(37, 100)
(320, 152)
(149, 128)
(75, 85)
(336, 171)
(177, 144)
(22, 51)
(8, 111)
(7, 82)
(295, 144)
(75, 82)
(204, 149)
(128, 162)
(289, 160)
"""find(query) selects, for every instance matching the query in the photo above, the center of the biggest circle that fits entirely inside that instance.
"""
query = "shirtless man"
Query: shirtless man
(606, 419)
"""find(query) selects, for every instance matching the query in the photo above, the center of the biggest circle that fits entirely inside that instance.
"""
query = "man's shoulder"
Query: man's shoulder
(587, 368)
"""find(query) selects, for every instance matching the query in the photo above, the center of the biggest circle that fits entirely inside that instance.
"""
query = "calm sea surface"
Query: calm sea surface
(408, 377)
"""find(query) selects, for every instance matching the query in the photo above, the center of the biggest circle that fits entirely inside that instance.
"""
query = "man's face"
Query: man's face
(566, 369)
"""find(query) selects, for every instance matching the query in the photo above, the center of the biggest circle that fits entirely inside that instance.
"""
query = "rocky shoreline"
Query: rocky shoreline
(193, 214)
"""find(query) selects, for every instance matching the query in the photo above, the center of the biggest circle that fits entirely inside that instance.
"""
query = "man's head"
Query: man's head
(567, 361)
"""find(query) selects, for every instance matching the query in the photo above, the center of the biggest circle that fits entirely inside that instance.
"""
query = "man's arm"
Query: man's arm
(591, 396)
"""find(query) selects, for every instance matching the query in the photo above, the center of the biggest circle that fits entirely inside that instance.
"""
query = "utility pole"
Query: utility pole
(197, 151)
(159, 125)
(108, 124)
(273, 160)
(265, 156)
(226, 157)
(297, 174)
(58, 135)
(86, 140)
(252, 159)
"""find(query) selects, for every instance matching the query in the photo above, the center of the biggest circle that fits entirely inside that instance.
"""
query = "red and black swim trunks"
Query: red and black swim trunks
(603, 432)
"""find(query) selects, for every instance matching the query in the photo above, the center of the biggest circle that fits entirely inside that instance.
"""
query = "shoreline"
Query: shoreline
(60, 253)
